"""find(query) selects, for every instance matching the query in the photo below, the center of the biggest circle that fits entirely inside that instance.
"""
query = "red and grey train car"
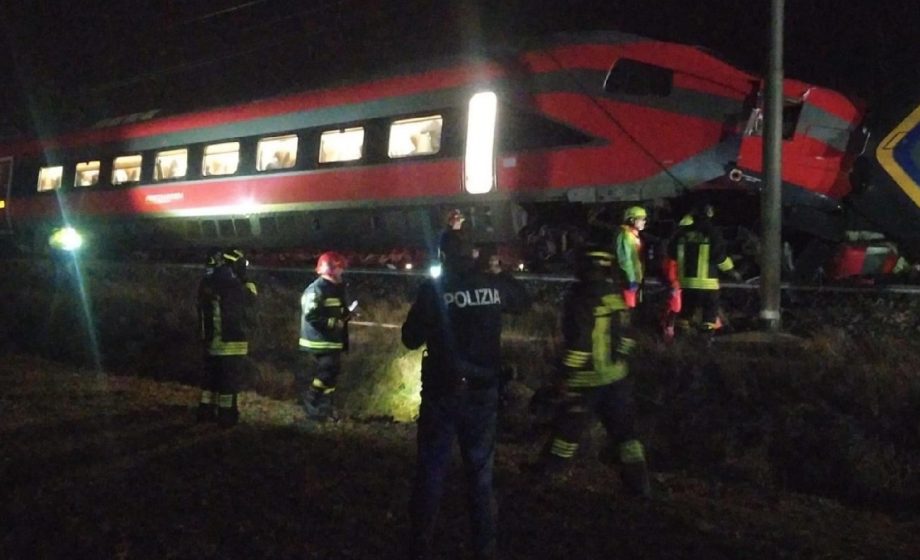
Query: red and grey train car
(514, 138)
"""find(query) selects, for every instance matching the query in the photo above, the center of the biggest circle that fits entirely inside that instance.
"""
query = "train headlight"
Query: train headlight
(66, 239)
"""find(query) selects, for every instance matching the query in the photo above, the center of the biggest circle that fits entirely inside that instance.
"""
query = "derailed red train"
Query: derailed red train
(518, 138)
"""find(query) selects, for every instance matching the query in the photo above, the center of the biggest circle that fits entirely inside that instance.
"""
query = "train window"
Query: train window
(49, 178)
(170, 164)
(279, 152)
(87, 174)
(638, 78)
(221, 159)
(792, 110)
(415, 137)
(126, 169)
(341, 145)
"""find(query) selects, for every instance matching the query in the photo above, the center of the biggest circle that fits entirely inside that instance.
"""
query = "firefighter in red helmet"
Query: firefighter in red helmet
(324, 334)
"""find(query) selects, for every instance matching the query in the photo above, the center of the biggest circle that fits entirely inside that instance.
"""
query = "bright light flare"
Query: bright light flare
(434, 271)
(479, 165)
(66, 239)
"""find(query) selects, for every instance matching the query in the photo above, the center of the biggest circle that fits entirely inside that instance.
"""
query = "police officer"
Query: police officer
(324, 333)
(458, 317)
(594, 372)
(698, 254)
(224, 298)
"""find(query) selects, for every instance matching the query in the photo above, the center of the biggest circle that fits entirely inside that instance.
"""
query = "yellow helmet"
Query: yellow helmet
(634, 213)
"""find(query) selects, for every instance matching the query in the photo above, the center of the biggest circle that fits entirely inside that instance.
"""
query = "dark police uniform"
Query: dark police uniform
(324, 334)
(223, 301)
(458, 317)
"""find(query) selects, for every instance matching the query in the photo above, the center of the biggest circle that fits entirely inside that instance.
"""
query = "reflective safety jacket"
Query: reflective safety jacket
(324, 317)
(223, 302)
(597, 334)
(699, 250)
(629, 254)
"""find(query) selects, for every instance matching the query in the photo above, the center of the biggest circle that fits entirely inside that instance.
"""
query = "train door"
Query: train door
(6, 182)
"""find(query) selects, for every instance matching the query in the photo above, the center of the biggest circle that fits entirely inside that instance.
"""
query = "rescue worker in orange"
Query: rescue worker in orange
(324, 316)
(696, 257)
(594, 373)
(629, 253)
(224, 299)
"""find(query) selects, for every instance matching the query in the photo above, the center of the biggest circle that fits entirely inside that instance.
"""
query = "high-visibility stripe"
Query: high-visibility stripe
(207, 397)
(320, 386)
(562, 448)
(320, 345)
(221, 348)
(225, 400)
(332, 302)
(726, 265)
(632, 452)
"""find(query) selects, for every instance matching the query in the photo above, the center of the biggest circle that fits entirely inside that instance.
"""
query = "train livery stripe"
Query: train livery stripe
(894, 153)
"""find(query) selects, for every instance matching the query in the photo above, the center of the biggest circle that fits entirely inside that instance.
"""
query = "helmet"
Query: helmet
(594, 263)
(330, 262)
(634, 213)
(236, 260)
(214, 259)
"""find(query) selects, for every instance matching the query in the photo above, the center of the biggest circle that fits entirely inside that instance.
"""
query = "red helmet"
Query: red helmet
(330, 262)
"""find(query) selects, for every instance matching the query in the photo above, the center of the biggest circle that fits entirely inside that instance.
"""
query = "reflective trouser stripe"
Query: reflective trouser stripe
(321, 387)
(207, 397)
(220, 348)
(320, 345)
(226, 400)
(632, 452)
(562, 448)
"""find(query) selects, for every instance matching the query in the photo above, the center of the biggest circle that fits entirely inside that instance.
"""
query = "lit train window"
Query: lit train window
(170, 164)
(49, 178)
(87, 174)
(221, 159)
(479, 161)
(415, 137)
(341, 145)
(279, 152)
(126, 169)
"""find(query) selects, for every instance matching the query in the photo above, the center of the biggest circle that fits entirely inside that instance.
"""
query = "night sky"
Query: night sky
(80, 61)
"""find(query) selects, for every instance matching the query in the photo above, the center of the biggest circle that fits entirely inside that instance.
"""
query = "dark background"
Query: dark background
(73, 62)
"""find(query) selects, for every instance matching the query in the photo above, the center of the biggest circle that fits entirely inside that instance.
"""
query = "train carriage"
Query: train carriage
(515, 137)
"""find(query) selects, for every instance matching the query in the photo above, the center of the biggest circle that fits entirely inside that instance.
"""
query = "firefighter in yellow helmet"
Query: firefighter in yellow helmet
(629, 253)
(594, 373)
(224, 298)
(324, 334)
(696, 257)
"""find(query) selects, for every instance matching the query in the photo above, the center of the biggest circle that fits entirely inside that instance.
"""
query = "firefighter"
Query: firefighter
(696, 257)
(594, 373)
(324, 317)
(629, 254)
(458, 317)
(224, 297)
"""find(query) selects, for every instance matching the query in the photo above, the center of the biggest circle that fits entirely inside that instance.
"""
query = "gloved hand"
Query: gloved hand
(734, 275)
(675, 302)
(631, 295)
(251, 286)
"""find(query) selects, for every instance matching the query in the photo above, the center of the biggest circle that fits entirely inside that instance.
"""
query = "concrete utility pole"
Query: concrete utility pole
(771, 196)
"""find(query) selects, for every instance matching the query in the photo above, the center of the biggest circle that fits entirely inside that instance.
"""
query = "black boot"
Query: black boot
(228, 413)
(635, 479)
(206, 412)
(317, 405)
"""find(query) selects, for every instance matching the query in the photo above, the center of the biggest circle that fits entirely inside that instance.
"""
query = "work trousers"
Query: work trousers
(469, 417)
(614, 404)
(705, 301)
